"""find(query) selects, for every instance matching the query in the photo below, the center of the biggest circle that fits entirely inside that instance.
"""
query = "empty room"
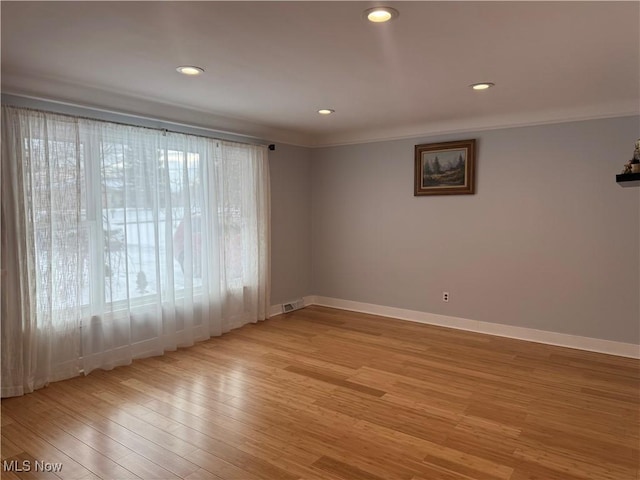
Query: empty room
(320, 240)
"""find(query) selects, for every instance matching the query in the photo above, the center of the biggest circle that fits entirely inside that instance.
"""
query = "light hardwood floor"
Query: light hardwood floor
(327, 394)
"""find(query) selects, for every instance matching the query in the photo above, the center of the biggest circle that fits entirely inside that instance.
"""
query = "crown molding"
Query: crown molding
(596, 112)
(72, 95)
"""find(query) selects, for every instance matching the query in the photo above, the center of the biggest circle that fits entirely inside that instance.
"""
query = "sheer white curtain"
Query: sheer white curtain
(121, 242)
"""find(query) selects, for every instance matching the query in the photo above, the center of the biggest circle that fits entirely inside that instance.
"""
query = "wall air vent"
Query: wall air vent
(291, 306)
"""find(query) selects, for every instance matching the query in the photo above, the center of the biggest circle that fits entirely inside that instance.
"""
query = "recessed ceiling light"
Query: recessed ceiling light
(380, 14)
(482, 86)
(190, 70)
(326, 111)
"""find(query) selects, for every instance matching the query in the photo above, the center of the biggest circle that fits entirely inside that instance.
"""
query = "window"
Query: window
(134, 240)
(138, 211)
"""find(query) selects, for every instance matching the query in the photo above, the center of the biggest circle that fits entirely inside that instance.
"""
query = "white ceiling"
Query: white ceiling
(271, 65)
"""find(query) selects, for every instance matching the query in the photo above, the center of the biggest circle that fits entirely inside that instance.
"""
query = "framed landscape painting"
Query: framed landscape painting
(446, 168)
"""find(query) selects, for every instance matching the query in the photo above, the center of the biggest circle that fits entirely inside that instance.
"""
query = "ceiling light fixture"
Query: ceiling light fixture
(482, 86)
(190, 70)
(380, 14)
(326, 111)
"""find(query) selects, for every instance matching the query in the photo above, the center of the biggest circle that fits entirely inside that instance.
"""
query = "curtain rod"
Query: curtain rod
(131, 120)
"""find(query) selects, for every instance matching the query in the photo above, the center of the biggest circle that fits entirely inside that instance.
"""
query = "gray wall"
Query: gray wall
(549, 241)
(290, 171)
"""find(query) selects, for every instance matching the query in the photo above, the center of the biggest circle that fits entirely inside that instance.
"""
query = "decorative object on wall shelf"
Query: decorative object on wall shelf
(446, 168)
(630, 176)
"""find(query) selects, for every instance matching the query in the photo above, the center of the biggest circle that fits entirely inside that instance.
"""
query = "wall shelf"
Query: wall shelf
(628, 179)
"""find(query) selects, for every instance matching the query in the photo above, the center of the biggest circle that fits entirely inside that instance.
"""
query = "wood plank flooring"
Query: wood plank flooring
(328, 394)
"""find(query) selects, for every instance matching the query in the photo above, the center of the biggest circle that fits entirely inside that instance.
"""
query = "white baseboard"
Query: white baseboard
(275, 310)
(530, 334)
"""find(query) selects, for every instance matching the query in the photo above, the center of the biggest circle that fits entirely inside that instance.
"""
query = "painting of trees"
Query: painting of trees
(445, 168)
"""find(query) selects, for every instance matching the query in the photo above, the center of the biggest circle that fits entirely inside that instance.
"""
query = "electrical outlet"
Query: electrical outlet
(445, 296)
